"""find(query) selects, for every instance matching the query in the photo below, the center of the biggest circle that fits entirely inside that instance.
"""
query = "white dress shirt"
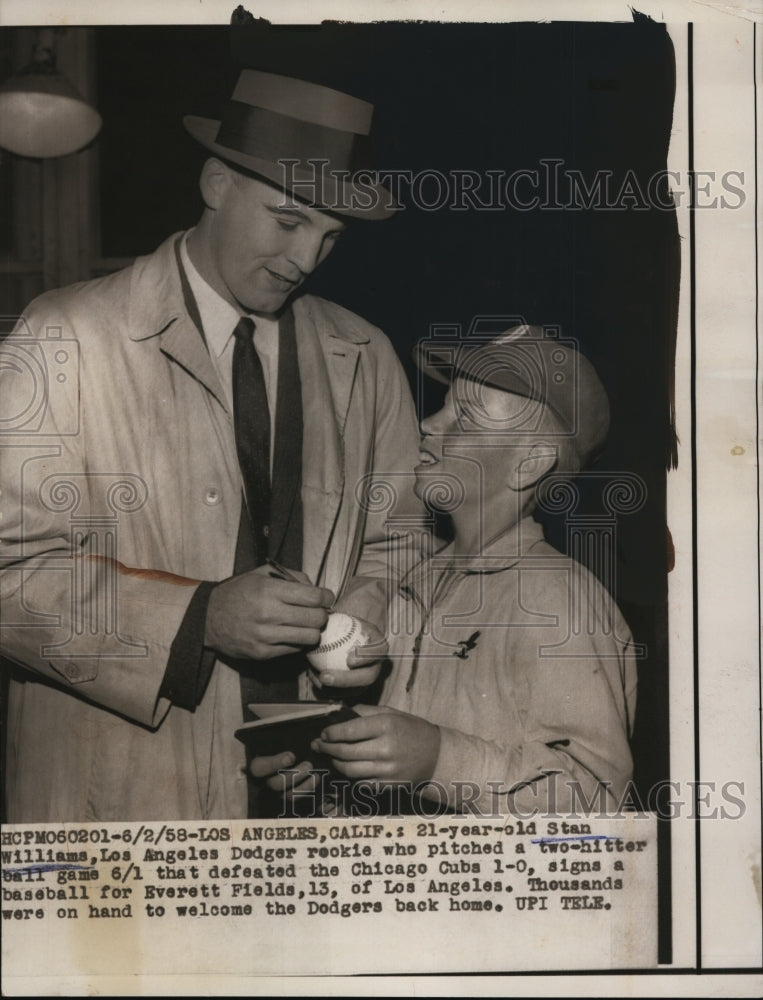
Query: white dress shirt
(219, 319)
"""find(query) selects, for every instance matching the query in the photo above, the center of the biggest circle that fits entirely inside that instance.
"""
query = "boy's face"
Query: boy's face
(469, 447)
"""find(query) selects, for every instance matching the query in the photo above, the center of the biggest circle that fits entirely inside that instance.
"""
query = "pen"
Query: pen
(283, 572)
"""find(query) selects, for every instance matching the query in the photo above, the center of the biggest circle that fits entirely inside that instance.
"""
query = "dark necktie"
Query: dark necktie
(263, 528)
(251, 418)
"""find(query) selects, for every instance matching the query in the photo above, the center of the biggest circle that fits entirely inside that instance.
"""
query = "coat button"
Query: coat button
(72, 671)
(212, 496)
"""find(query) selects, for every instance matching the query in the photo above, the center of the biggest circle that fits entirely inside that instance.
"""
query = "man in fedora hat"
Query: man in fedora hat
(180, 501)
(514, 688)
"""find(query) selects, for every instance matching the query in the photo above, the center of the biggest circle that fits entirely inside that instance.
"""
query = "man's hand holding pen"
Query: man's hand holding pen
(258, 615)
(272, 611)
(364, 662)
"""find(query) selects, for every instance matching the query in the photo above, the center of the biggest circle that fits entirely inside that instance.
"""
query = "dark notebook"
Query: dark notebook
(281, 727)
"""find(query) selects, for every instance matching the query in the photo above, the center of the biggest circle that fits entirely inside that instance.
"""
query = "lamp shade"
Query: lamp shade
(43, 115)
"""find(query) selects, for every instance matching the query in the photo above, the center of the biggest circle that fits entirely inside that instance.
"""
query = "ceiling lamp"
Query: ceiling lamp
(41, 112)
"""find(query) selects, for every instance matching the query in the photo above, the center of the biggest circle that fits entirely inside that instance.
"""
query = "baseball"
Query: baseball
(340, 636)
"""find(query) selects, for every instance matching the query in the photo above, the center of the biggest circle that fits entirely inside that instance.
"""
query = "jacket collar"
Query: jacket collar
(328, 355)
(156, 297)
(503, 551)
(328, 360)
(498, 554)
(157, 307)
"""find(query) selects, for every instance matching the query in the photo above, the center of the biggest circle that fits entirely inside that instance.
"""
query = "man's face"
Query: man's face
(468, 446)
(264, 243)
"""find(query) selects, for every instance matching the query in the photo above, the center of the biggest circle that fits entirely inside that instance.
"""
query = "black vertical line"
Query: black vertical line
(695, 588)
(757, 386)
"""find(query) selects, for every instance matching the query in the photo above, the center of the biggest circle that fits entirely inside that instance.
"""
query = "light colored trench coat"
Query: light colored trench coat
(118, 445)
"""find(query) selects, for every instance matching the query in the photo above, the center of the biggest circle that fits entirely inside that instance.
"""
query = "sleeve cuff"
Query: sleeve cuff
(468, 766)
(190, 663)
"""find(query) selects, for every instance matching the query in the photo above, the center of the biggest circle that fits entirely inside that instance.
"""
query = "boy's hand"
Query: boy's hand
(382, 745)
(365, 663)
(298, 779)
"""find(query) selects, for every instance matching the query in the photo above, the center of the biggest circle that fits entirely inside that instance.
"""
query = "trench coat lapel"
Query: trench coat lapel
(328, 360)
(183, 343)
(327, 364)
(158, 307)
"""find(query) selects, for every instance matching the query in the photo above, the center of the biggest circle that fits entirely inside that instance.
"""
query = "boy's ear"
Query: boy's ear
(214, 181)
(533, 465)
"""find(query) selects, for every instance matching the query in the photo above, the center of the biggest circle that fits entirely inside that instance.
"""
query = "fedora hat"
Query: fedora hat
(307, 139)
(530, 362)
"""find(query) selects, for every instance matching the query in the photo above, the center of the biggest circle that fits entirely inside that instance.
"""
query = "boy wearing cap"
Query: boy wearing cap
(513, 678)
(204, 419)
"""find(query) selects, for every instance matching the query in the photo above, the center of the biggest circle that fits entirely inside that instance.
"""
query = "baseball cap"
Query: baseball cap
(536, 364)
